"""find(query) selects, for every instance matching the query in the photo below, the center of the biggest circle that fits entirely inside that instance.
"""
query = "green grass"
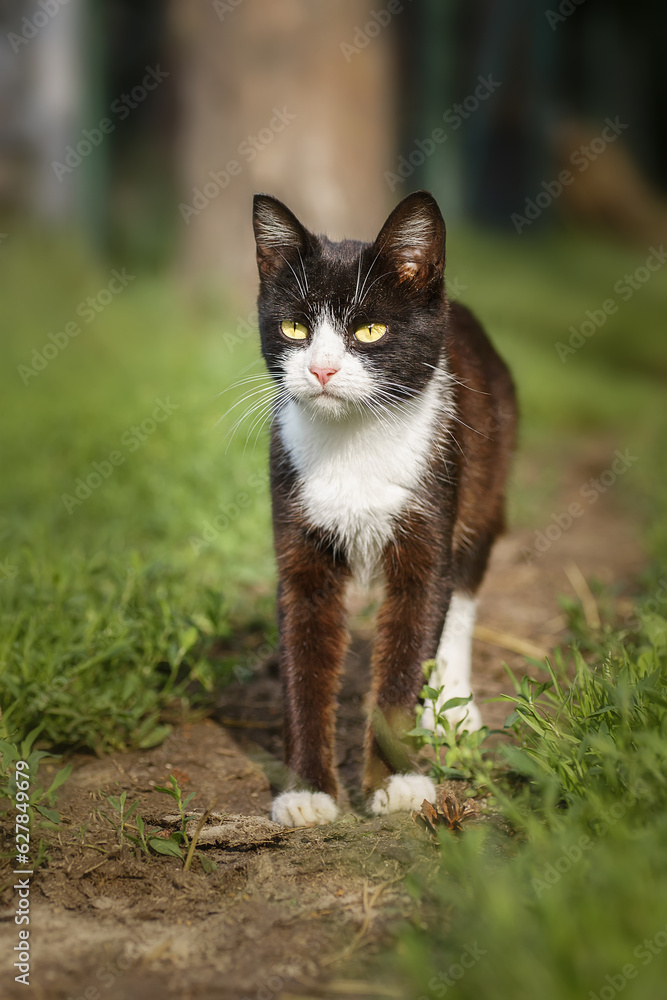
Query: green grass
(576, 901)
(109, 605)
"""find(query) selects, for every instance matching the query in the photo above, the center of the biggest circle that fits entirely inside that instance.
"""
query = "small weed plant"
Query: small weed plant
(458, 754)
(132, 828)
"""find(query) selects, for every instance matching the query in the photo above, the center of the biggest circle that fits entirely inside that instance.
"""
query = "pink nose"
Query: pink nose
(323, 374)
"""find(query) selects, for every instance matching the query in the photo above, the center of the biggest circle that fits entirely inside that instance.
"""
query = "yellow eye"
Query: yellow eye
(371, 332)
(294, 330)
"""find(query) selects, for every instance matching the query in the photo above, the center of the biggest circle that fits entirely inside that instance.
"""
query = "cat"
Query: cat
(393, 429)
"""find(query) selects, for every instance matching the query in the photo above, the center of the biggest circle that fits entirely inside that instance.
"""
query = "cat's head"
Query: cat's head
(350, 326)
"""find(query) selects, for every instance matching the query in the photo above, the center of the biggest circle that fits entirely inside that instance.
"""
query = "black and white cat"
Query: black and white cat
(392, 435)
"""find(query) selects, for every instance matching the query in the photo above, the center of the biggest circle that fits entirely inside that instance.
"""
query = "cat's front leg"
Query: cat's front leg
(313, 643)
(409, 624)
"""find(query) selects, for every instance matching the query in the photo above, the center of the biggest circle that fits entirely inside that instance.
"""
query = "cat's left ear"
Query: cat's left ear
(412, 240)
(278, 234)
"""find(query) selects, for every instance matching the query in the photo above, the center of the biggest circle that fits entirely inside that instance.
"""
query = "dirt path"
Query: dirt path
(284, 912)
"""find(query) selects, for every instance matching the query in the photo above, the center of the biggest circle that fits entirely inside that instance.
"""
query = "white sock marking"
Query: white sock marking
(402, 792)
(453, 665)
(303, 809)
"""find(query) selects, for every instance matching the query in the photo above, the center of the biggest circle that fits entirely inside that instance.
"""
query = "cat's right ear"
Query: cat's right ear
(277, 232)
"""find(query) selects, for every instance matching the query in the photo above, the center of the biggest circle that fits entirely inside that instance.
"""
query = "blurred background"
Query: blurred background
(135, 526)
(333, 106)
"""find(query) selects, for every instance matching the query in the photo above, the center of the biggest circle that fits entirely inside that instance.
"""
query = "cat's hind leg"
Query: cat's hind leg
(453, 659)
(402, 793)
(453, 666)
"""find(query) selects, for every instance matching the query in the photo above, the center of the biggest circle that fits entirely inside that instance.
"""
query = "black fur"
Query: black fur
(410, 307)
(442, 541)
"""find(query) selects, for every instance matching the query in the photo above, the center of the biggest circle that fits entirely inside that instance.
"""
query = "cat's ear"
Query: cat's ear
(277, 232)
(412, 240)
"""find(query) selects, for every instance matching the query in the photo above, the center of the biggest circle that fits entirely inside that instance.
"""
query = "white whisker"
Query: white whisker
(356, 290)
(451, 378)
(245, 398)
(305, 276)
(257, 405)
(374, 282)
(264, 377)
(302, 290)
(361, 293)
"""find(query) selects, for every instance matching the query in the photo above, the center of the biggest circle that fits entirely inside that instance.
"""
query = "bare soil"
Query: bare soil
(285, 913)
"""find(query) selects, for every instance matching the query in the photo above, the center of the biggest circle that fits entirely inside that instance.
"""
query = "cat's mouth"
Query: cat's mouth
(327, 401)
(326, 397)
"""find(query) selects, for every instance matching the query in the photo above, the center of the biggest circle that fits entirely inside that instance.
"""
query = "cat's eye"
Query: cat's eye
(371, 332)
(294, 330)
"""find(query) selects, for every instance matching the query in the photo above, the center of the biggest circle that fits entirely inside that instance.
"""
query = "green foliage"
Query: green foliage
(466, 758)
(120, 824)
(146, 840)
(177, 795)
(602, 732)
(142, 838)
(43, 818)
(574, 903)
(110, 606)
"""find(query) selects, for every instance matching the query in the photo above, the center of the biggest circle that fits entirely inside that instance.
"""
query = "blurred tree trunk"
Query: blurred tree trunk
(242, 61)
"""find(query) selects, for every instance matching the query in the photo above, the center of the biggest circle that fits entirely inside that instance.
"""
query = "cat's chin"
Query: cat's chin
(327, 407)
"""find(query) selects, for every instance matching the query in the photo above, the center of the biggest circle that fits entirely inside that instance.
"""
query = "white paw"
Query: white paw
(402, 792)
(303, 809)
(469, 715)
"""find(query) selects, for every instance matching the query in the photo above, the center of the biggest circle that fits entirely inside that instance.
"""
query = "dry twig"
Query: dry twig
(521, 646)
(583, 592)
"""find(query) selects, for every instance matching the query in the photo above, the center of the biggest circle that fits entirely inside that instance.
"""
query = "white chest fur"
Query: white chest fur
(357, 475)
